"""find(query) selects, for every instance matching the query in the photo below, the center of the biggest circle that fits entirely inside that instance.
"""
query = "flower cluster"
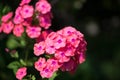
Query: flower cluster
(63, 49)
(21, 72)
(27, 18)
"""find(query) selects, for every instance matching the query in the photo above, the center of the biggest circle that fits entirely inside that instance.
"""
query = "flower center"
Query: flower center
(59, 41)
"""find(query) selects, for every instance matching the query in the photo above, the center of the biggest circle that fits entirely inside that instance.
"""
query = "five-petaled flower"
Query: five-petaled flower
(21, 72)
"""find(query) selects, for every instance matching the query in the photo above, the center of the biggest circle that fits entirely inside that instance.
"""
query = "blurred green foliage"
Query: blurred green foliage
(99, 20)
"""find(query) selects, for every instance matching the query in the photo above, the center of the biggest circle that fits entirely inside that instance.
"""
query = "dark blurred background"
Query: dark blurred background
(98, 20)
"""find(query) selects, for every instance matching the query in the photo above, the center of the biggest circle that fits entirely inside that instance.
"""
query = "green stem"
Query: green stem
(26, 57)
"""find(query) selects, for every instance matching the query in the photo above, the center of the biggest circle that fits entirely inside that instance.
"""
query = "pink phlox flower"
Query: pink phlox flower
(50, 48)
(39, 48)
(79, 34)
(17, 11)
(46, 72)
(43, 6)
(81, 58)
(27, 11)
(60, 32)
(59, 41)
(18, 19)
(69, 50)
(18, 30)
(68, 30)
(21, 72)
(73, 40)
(40, 64)
(7, 27)
(52, 35)
(33, 32)
(23, 2)
(61, 57)
(6, 17)
(45, 20)
(53, 64)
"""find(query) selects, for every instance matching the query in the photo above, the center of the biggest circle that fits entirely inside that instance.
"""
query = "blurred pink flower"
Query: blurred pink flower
(61, 57)
(33, 32)
(40, 64)
(43, 6)
(49, 46)
(69, 50)
(27, 11)
(53, 64)
(59, 41)
(17, 11)
(7, 27)
(18, 30)
(45, 20)
(46, 72)
(39, 48)
(73, 40)
(21, 72)
(23, 2)
(68, 30)
(6, 17)
(81, 58)
(18, 19)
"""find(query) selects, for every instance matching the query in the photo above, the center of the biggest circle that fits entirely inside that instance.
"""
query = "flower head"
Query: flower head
(61, 57)
(46, 72)
(33, 32)
(39, 48)
(59, 41)
(23, 2)
(40, 64)
(18, 30)
(6, 17)
(45, 20)
(21, 72)
(53, 64)
(27, 11)
(18, 19)
(7, 27)
(43, 6)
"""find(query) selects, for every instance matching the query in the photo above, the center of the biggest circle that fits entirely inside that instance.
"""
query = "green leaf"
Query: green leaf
(53, 77)
(12, 43)
(14, 66)
(6, 9)
(23, 43)
(22, 62)
(33, 77)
